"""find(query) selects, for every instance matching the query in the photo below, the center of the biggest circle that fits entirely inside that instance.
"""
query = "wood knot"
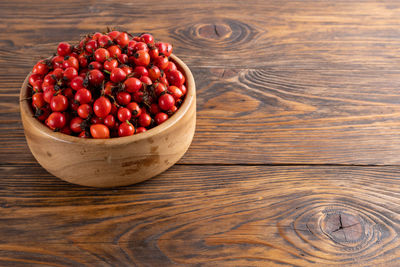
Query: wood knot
(214, 31)
(343, 227)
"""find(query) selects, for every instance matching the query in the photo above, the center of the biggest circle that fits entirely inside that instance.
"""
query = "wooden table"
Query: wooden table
(296, 156)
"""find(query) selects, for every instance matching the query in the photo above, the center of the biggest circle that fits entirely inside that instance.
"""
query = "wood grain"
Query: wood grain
(298, 104)
(207, 215)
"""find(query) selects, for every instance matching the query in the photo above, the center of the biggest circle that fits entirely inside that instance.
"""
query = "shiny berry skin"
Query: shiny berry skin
(57, 61)
(115, 51)
(59, 103)
(48, 95)
(175, 77)
(146, 80)
(144, 120)
(49, 79)
(43, 113)
(83, 135)
(109, 121)
(123, 98)
(124, 114)
(99, 131)
(166, 101)
(125, 129)
(70, 73)
(160, 118)
(141, 58)
(35, 77)
(183, 89)
(109, 65)
(84, 111)
(154, 73)
(140, 46)
(96, 77)
(37, 86)
(96, 120)
(76, 125)
(153, 52)
(77, 83)
(141, 130)
(175, 92)
(161, 62)
(108, 87)
(117, 75)
(64, 49)
(91, 46)
(71, 62)
(159, 88)
(171, 66)
(127, 69)
(37, 100)
(132, 85)
(102, 107)
(147, 38)
(95, 65)
(114, 34)
(122, 39)
(56, 120)
(40, 68)
(101, 55)
(138, 96)
(123, 58)
(82, 59)
(83, 96)
(105, 41)
(134, 109)
(140, 71)
(96, 36)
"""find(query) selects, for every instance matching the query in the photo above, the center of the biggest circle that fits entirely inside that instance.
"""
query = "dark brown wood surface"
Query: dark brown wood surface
(296, 157)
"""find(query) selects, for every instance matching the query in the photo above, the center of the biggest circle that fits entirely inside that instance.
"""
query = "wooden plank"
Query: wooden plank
(269, 116)
(292, 35)
(211, 215)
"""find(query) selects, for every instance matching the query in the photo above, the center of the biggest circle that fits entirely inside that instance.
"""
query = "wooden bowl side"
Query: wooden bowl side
(116, 161)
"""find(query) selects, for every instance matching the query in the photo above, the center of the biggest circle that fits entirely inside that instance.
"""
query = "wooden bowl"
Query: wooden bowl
(115, 161)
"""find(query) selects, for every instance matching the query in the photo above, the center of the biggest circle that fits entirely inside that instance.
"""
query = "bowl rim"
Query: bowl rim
(189, 100)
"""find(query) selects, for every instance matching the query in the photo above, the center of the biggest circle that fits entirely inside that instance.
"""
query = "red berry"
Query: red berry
(140, 46)
(91, 46)
(122, 39)
(144, 120)
(83, 96)
(70, 73)
(96, 77)
(147, 38)
(76, 125)
(77, 83)
(166, 101)
(159, 88)
(126, 129)
(175, 77)
(140, 130)
(123, 98)
(64, 49)
(110, 64)
(99, 131)
(115, 51)
(132, 85)
(160, 118)
(56, 120)
(124, 114)
(102, 107)
(141, 58)
(140, 71)
(84, 111)
(154, 73)
(175, 91)
(134, 109)
(113, 35)
(71, 61)
(117, 75)
(105, 41)
(109, 121)
(161, 62)
(40, 68)
(37, 100)
(101, 55)
(57, 61)
(59, 103)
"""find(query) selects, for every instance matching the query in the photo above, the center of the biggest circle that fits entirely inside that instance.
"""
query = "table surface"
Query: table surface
(296, 155)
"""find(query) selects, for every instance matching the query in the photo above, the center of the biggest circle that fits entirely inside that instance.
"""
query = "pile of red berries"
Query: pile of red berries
(109, 85)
